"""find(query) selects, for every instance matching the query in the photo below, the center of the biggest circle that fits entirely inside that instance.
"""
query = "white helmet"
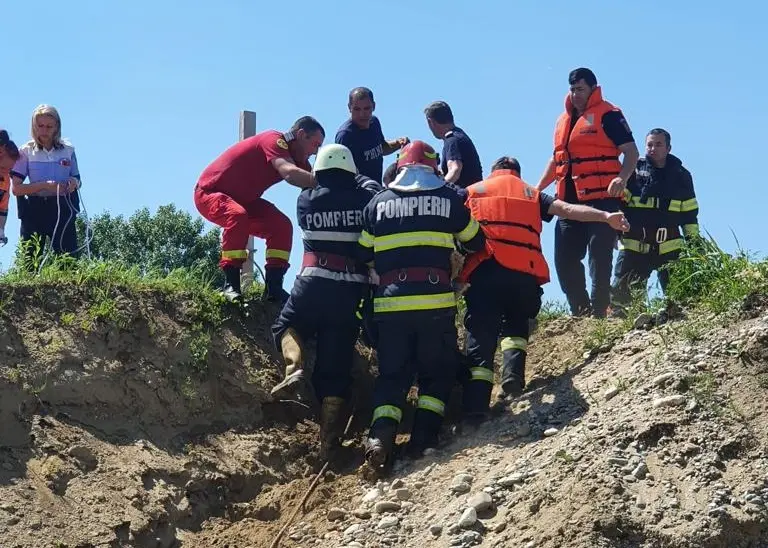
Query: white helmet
(334, 156)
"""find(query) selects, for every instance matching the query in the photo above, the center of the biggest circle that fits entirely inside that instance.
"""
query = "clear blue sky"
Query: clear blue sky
(150, 92)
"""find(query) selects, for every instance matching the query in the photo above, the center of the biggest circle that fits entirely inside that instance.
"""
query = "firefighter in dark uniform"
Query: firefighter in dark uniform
(410, 230)
(661, 205)
(328, 289)
(505, 278)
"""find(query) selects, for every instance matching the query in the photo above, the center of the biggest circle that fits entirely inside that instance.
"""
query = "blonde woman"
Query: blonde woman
(49, 202)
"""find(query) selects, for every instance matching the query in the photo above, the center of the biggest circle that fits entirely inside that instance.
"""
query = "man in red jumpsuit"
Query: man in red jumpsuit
(229, 192)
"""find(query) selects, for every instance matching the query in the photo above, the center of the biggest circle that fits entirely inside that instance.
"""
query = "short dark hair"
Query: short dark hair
(440, 112)
(360, 93)
(582, 73)
(308, 124)
(506, 162)
(9, 146)
(664, 132)
(389, 174)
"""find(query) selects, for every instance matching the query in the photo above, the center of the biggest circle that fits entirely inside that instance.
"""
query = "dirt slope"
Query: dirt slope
(139, 426)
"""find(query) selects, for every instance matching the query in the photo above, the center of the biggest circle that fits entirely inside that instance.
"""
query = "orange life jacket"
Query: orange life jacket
(509, 213)
(590, 153)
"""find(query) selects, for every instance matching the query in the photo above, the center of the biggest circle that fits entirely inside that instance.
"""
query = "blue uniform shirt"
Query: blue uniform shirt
(367, 146)
(458, 146)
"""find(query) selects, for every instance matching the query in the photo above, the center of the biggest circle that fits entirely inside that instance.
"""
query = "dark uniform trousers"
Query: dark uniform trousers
(499, 303)
(39, 216)
(414, 346)
(325, 309)
(572, 241)
(633, 270)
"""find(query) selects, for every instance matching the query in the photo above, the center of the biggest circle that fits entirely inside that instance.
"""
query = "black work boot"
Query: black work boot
(513, 373)
(380, 444)
(232, 291)
(273, 285)
(424, 435)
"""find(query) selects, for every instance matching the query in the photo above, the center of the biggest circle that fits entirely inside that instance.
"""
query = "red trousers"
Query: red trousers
(258, 218)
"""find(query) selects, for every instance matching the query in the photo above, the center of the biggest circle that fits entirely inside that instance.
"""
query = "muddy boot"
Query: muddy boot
(332, 417)
(380, 444)
(426, 427)
(273, 285)
(513, 374)
(232, 291)
(293, 353)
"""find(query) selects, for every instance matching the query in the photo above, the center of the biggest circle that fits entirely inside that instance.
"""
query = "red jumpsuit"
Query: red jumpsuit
(228, 193)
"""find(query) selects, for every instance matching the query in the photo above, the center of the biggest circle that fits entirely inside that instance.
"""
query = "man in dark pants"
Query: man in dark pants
(461, 163)
(659, 201)
(505, 278)
(589, 138)
(409, 233)
(362, 134)
(328, 289)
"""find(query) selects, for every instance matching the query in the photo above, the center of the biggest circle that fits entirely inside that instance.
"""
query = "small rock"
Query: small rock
(618, 461)
(384, 506)
(611, 392)
(352, 530)
(661, 379)
(461, 488)
(372, 495)
(480, 501)
(511, 480)
(500, 527)
(388, 522)
(669, 401)
(355, 544)
(642, 321)
(361, 513)
(436, 530)
(403, 493)
(641, 471)
(336, 513)
(398, 483)
(692, 405)
(550, 432)
(468, 518)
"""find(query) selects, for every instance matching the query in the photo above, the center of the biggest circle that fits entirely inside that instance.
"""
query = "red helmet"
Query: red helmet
(417, 153)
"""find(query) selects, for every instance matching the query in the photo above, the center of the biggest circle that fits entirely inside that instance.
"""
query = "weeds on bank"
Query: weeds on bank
(707, 276)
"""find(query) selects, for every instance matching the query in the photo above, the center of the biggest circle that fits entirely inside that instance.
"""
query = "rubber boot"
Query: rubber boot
(426, 427)
(380, 443)
(293, 353)
(331, 426)
(513, 372)
(232, 291)
(273, 282)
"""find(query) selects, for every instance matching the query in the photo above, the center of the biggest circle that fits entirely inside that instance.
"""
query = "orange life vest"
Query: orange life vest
(509, 213)
(590, 153)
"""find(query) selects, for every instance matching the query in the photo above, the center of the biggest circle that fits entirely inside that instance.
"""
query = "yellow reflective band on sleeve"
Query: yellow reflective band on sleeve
(670, 245)
(235, 254)
(481, 374)
(413, 239)
(629, 244)
(469, 232)
(431, 404)
(691, 229)
(684, 206)
(387, 412)
(366, 240)
(414, 302)
(278, 254)
(514, 343)
(689, 205)
(635, 202)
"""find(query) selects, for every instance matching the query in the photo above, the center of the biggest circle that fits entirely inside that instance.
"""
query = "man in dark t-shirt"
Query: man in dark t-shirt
(461, 163)
(362, 135)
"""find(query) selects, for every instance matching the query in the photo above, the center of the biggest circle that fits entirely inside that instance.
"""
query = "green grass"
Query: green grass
(708, 277)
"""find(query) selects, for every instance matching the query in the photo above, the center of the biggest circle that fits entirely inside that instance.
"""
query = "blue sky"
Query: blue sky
(150, 92)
